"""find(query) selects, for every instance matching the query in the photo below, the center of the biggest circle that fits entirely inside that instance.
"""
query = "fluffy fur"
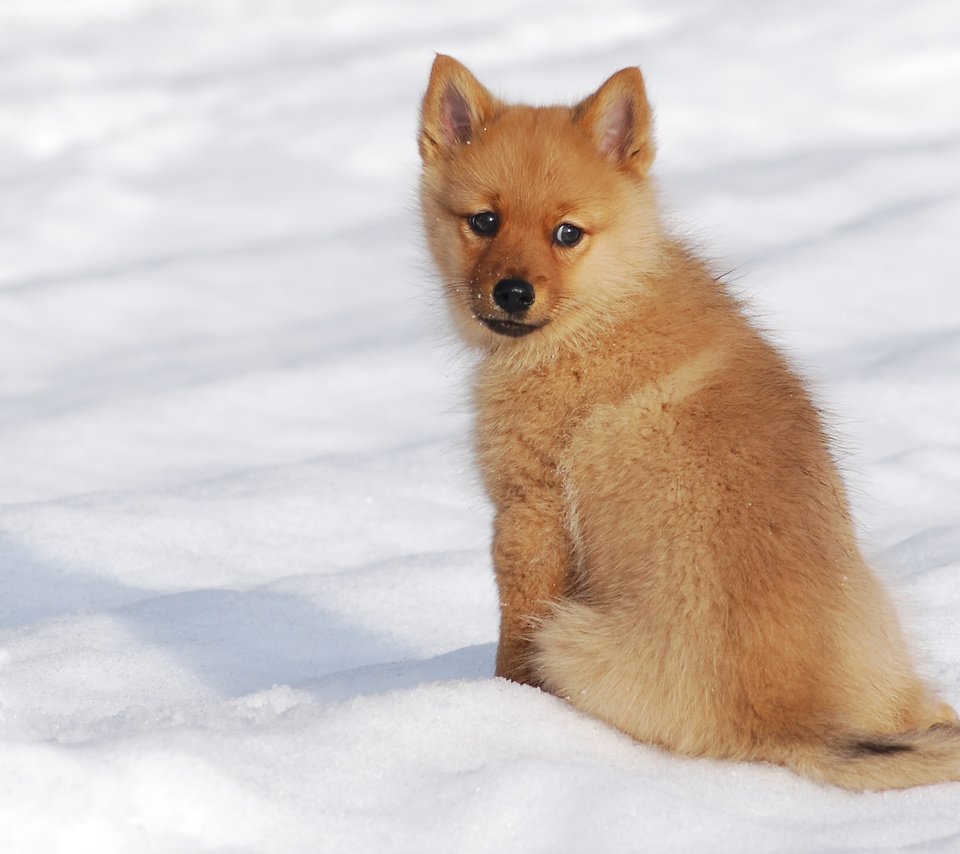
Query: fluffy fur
(672, 541)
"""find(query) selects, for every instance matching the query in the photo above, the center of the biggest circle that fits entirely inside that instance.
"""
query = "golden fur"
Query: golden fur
(672, 542)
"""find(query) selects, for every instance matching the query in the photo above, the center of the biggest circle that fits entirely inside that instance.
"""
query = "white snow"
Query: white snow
(246, 599)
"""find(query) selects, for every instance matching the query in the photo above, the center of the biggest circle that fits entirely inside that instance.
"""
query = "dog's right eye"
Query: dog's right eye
(485, 224)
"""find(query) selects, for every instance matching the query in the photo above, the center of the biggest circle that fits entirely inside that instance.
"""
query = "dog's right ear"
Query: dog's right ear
(454, 108)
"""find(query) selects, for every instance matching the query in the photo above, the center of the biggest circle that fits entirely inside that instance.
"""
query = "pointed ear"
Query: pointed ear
(454, 108)
(619, 120)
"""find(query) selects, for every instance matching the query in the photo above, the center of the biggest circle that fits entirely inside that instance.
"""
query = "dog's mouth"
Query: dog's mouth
(513, 328)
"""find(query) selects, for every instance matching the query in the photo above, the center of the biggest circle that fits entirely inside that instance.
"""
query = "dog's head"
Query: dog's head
(539, 219)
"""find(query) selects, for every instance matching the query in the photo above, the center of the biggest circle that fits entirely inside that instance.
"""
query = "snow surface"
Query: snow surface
(246, 597)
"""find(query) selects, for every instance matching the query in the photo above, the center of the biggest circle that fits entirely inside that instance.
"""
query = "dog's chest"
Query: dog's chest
(528, 416)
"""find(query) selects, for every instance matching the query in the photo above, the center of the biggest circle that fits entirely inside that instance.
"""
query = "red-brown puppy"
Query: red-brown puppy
(672, 541)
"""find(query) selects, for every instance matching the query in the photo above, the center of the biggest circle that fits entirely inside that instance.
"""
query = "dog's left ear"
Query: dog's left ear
(455, 108)
(619, 119)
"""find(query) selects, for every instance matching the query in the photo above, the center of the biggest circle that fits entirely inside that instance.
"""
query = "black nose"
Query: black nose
(513, 295)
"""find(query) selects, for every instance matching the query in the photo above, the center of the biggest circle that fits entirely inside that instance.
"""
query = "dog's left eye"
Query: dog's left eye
(567, 234)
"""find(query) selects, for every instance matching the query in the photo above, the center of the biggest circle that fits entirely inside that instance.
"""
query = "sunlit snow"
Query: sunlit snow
(247, 602)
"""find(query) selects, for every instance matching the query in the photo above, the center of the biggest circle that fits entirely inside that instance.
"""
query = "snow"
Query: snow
(247, 601)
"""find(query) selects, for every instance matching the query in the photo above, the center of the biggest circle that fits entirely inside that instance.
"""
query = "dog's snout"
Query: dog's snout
(513, 295)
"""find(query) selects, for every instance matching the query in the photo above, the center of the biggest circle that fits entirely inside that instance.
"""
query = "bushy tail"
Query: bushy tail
(859, 761)
(594, 660)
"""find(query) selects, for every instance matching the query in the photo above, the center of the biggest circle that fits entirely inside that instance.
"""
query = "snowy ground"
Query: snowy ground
(246, 598)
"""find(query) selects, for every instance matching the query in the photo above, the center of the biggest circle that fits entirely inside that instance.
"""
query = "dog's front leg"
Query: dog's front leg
(532, 559)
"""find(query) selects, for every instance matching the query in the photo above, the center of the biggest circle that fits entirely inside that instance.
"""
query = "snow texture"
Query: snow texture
(247, 602)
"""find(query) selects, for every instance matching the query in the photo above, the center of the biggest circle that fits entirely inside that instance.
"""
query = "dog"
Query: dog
(672, 542)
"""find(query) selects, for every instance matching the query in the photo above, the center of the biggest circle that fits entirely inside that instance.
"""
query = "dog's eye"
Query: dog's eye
(568, 234)
(485, 223)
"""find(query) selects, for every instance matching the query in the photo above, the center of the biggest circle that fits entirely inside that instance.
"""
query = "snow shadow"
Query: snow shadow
(36, 588)
(235, 642)
(469, 662)
(242, 642)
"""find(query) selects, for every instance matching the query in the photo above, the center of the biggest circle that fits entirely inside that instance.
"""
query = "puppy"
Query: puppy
(672, 542)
